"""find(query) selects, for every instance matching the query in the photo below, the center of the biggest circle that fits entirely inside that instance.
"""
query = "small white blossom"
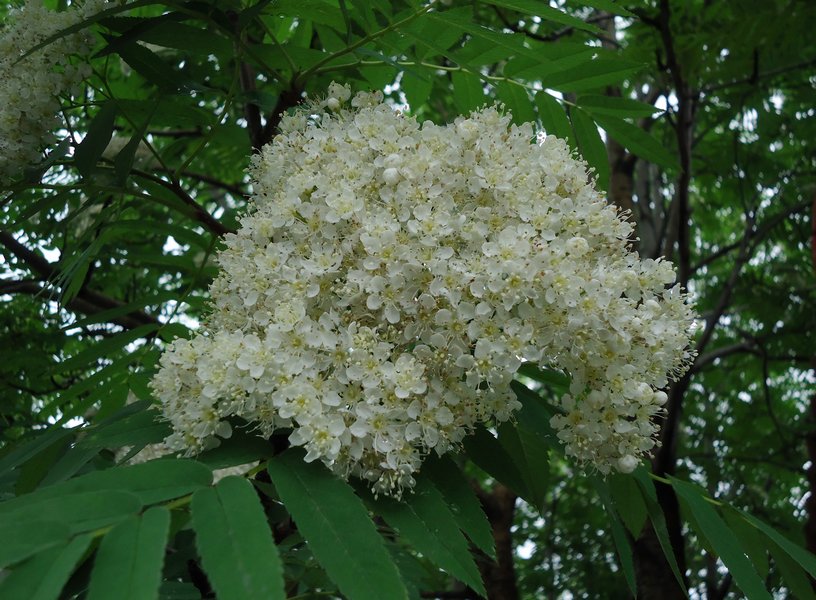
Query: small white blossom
(391, 279)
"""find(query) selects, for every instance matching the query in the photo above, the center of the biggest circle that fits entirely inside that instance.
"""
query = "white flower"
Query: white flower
(627, 464)
(30, 86)
(391, 279)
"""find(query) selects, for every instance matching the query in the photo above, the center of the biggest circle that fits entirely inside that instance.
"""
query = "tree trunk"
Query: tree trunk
(500, 576)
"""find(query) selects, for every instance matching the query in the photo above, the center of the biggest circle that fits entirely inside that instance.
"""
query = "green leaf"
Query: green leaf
(624, 549)
(751, 539)
(138, 227)
(468, 91)
(317, 11)
(590, 75)
(377, 76)
(431, 38)
(337, 527)
(27, 449)
(88, 357)
(658, 522)
(123, 162)
(628, 502)
(805, 559)
(591, 146)
(329, 39)
(528, 442)
(134, 29)
(96, 140)
(615, 106)
(417, 88)
(43, 576)
(462, 501)
(178, 590)
(512, 44)
(32, 472)
(516, 100)
(622, 543)
(412, 570)
(104, 316)
(80, 511)
(240, 448)
(607, 5)
(425, 522)
(722, 539)
(535, 414)
(196, 40)
(42, 206)
(364, 15)
(34, 173)
(72, 276)
(70, 462)
(129, 560)
(142, 428)
(553, 117)
(150, 66)
(488, 454)
(637, 141)
(546, 12)
(235, 542)
(167, 111)
(551, 58)
(249, 15)
(480, 52)
(150, 482)
(793, 575)
(22, 539)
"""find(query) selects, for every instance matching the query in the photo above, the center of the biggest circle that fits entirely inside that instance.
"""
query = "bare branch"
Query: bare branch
(198, 212)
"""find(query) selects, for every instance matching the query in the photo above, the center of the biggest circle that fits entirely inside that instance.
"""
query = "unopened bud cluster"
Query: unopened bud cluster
(391, 278)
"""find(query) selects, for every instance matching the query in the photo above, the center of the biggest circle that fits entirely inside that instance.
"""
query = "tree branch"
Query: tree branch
(704, 360)
(599, 18)
(198, 212)
(252, 113)
(745, 252)
(86, 301)
(754, 78)
(654, 577)
(214, 182)
(287, 99)
(756, 235)
(499, 576)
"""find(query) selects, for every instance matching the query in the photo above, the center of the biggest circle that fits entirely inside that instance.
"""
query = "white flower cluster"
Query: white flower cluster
(30, 87)
(392, 277)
